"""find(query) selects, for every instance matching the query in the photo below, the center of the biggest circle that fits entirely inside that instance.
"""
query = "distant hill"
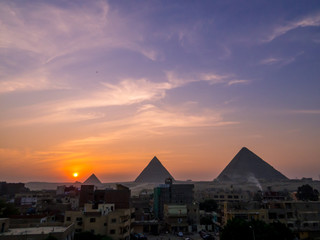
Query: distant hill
(92, 180)
(154, 172)
(247, 166)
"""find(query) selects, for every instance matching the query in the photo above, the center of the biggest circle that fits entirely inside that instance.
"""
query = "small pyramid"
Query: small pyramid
(92, 180)
(247, 165)
(154, 172)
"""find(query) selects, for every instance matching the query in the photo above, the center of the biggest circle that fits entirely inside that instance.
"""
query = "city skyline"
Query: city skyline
(104, 86)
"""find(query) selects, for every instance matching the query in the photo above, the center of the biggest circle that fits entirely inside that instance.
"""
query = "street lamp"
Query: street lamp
(253, 235)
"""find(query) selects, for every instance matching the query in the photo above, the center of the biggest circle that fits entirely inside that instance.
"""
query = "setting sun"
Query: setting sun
(75, 174)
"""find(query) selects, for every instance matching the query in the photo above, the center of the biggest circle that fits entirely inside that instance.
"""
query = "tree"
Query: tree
(50, 237)
(307, 193)
(91, 236)
(255, 229)
(7, 209)
(206, 220)
(208, 205)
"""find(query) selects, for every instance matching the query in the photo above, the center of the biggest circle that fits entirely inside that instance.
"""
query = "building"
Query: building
(243, 210)
(4, 224)
(221, 195)
(302, 217)
(119, 196)
(10, 189)
(176, 218)
(35, 233)
(168, 193)
(103, 219)
(86, 194)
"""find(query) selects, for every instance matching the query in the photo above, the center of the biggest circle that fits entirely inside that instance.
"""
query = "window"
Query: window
(92, 219)
(113, 220)
(112, 231)
(79, 219)
(105, 224)
(68, 219)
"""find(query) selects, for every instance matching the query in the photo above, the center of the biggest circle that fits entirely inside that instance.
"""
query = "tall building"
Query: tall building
(168, 193)
(86, 194)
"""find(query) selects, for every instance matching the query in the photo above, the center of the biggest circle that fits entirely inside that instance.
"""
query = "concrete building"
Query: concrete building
(35, 233)
(176, 218)
(34, 199)
(244, 210)
(86, 194)
(302, 217)
(4, 224)
(169, 193)
(119, 196)
(103, 219)
(221, 195)
(10, 189)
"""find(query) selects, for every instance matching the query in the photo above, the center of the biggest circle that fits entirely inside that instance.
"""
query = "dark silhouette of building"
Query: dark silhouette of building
(86, 195)
(120, 197)
(169, 193)
(10, 189)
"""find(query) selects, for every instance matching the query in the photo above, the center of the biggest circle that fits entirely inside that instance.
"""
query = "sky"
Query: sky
(104, 86)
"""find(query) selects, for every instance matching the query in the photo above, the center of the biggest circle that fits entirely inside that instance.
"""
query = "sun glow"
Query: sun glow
(75, 174)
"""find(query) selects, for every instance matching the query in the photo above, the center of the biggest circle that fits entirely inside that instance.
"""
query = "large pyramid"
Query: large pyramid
(92, 180)
(246, 166)
(154, 172)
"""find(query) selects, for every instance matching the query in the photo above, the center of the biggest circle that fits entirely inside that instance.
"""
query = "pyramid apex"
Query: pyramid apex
(92, 180)
(154, 172)
(244, 149)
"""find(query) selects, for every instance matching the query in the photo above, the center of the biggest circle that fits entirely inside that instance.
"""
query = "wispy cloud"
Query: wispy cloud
(270, 61)
(211, 78)
(280, 30)
(126, 92)
(30, 81)
(155, 121)
(280, 61)
(277, 61)
(238, 81)
(51, 31)
(305, 111)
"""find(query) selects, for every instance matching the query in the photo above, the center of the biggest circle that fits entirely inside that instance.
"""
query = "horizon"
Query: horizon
(101, 87)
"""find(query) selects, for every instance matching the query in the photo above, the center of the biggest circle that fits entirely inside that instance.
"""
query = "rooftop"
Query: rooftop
(34, 230)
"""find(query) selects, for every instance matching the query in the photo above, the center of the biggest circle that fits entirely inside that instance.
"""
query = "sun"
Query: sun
(75, 174)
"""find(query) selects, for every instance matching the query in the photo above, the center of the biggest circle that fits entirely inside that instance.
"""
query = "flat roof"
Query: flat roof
(34, 230)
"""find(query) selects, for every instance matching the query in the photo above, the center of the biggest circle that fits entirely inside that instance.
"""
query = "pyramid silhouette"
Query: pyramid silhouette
(154, 172)
(246, 165)
(92, 180)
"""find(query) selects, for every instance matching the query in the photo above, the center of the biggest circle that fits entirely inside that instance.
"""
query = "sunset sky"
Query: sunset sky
(103, 86)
